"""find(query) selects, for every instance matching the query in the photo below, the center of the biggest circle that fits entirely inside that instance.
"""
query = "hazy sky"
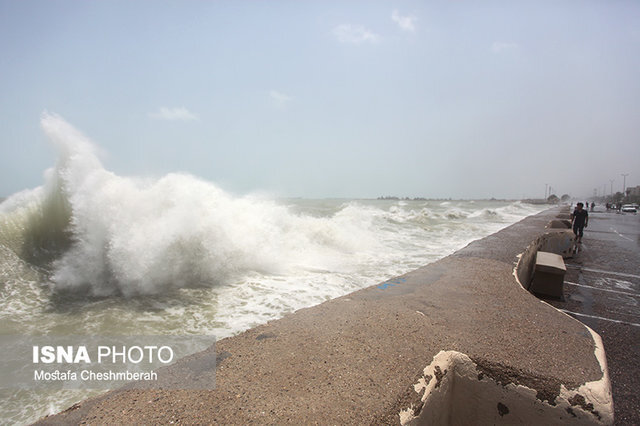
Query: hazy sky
(460, 98)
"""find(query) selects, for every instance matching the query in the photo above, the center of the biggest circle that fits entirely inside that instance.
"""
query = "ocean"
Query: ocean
(93, 253)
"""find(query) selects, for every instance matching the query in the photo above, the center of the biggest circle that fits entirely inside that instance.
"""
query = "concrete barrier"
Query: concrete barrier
(558, 240)
(560, 223)
(458, 341)
(548, 276)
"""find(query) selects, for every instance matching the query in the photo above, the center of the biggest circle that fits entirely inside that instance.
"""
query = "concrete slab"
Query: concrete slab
(384, 353)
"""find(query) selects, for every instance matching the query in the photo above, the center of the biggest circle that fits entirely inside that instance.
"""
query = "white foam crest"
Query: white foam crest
(78, 157)
(517, 208)
(455, 213)
(484, 213)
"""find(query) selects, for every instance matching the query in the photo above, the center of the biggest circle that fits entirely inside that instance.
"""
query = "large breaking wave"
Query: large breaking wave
(104, 234)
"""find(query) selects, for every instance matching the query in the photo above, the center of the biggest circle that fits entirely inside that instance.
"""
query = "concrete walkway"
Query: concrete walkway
(458, 341)
(602, 289)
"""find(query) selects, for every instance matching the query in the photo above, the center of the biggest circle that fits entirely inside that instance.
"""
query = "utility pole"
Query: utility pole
(546, 185)
(624, 182)
(611, 180)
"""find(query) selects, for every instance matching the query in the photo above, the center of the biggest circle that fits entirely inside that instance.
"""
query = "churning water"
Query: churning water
(93, 253)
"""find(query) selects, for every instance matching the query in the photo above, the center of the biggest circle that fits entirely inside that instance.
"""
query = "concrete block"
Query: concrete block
(548, 276)
(558, 241)
(559, 224)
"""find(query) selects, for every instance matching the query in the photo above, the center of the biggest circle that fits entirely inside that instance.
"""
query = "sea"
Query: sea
(93, 253)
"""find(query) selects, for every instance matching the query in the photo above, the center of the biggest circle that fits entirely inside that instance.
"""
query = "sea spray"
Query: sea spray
(128, 236)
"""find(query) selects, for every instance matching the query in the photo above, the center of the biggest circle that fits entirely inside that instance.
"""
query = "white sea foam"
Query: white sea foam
(133, 236)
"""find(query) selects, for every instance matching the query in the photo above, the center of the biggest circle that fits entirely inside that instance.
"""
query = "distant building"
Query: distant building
(633, 191)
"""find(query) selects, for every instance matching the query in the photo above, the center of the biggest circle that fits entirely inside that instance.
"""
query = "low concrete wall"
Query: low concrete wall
(458, 341)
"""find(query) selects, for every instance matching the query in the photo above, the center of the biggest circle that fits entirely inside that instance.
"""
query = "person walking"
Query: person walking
(579, 221)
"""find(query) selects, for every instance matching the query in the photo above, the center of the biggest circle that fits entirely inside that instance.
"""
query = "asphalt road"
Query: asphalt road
(602, 289)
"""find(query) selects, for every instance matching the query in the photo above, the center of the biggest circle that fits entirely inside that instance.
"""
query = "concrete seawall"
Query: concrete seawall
(455, 342)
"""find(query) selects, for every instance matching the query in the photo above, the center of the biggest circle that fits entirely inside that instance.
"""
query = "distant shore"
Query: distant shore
(536, 201)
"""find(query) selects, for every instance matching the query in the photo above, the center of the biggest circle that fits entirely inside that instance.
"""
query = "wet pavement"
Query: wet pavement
(602, 290)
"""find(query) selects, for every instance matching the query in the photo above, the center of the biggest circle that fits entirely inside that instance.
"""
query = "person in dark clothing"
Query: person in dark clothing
(580, 220)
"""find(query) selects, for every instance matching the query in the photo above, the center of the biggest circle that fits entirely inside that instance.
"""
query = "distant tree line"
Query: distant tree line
(394, 198)
(551, 199)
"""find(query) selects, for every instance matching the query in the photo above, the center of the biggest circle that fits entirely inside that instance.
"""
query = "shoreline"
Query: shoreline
(358, 358)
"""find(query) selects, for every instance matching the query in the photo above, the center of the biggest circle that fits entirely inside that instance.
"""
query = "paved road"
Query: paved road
(602, 289)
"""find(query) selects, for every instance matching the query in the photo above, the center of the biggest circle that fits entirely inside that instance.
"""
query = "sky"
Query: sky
(437, 99)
